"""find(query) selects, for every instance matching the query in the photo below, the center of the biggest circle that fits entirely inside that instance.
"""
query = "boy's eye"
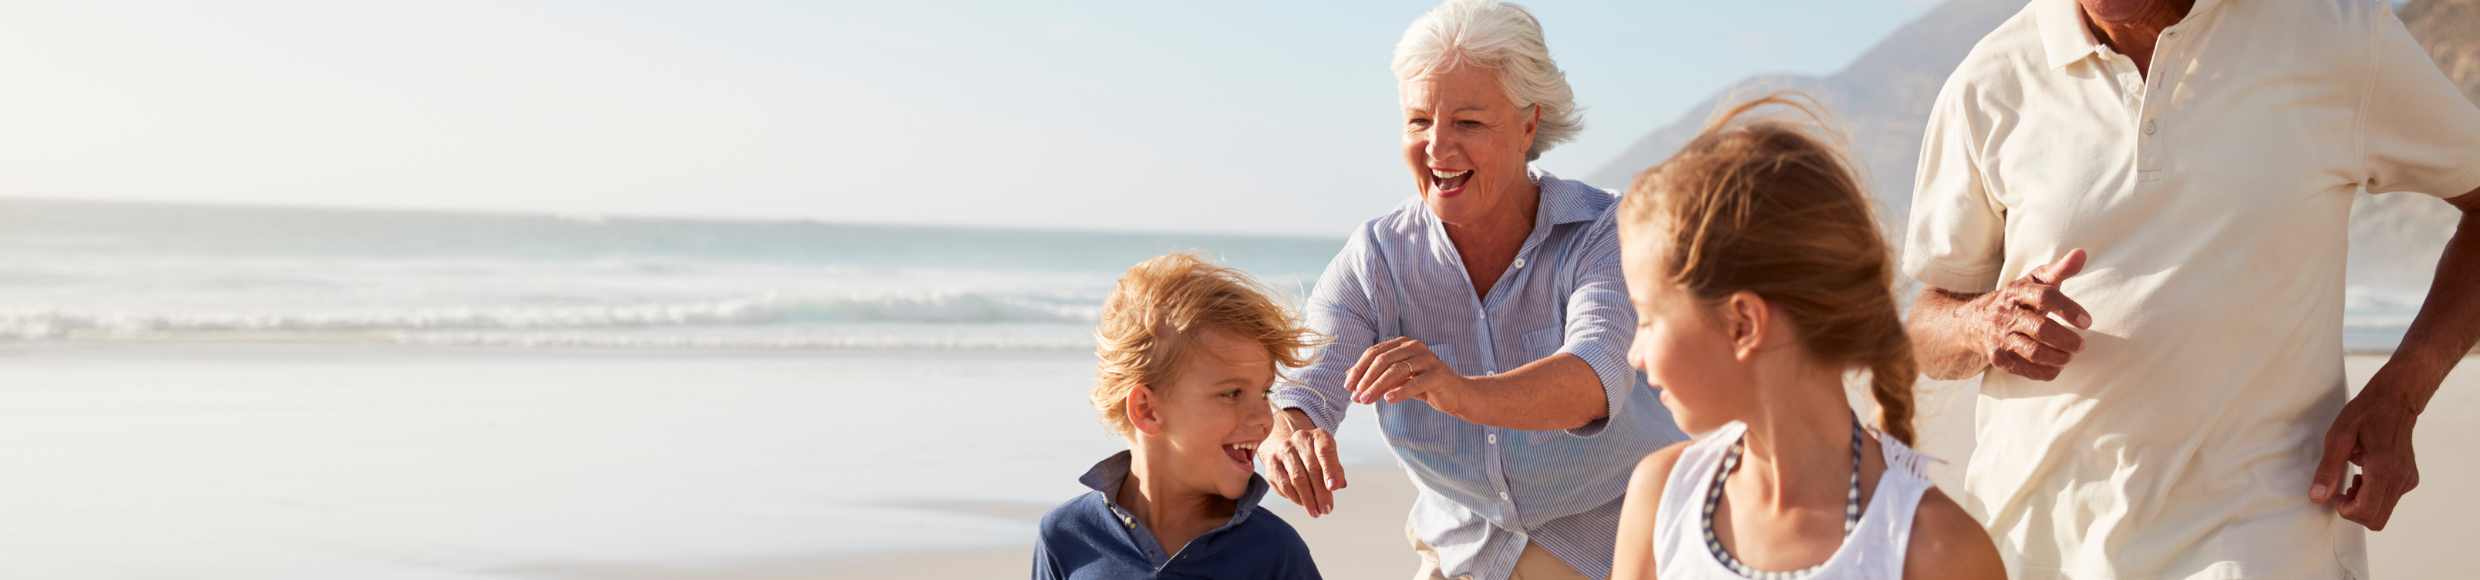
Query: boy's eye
(1231, 394)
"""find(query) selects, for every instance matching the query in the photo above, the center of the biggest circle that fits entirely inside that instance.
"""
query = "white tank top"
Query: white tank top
(1873, 551)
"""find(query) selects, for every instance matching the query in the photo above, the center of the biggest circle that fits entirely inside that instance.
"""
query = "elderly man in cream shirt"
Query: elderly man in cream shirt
(2131, 219)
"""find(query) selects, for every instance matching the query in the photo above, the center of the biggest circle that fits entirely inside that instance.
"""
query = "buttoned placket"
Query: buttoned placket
(1495, 462)
(2169, 57)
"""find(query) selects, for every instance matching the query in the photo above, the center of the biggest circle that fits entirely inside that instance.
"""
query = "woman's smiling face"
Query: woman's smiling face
(1465, 142)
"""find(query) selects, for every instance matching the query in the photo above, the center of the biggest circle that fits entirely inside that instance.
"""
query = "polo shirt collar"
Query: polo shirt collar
(1107, 475)
(2065, 37)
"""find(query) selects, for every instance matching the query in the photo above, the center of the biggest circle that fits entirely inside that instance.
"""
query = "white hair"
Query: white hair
(1506, 39)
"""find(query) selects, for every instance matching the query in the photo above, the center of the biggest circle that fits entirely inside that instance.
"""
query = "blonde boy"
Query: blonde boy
(1189, 351)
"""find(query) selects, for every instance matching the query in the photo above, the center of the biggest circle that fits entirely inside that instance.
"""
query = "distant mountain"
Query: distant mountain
(1882, 99)
(2451, 31)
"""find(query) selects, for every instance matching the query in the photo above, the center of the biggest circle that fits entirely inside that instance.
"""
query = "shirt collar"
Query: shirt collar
(2065, 37)
(1564, 201)
(1107, 475)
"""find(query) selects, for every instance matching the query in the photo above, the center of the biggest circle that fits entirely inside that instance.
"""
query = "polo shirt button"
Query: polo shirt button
(2152, 126)
(1519, 263)
(1502, 495)
(1493, 438)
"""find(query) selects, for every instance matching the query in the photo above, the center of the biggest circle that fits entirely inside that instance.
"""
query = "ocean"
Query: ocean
(107, 273)
(101, 273)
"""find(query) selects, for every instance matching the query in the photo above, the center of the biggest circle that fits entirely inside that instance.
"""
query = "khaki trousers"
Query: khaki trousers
(1535, 564)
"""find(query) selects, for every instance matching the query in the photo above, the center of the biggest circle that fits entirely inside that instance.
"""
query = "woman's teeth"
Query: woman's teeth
(1448, 180)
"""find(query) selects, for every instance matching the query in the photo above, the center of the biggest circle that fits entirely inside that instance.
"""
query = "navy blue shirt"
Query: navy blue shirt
(1092, 537)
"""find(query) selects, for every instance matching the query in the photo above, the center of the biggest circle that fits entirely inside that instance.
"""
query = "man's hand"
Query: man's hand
(2015, 330)
(1400, 369)
(2373, 431)
(1301, 464)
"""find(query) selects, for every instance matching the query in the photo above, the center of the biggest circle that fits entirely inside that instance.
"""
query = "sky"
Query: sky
(1255, 117)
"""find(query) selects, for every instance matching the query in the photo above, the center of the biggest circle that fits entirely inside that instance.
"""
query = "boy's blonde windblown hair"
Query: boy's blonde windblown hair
(1155, 313)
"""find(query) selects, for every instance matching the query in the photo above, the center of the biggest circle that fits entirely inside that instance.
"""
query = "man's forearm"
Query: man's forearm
(1556, 392)
(2449, 320)
(1941, 343)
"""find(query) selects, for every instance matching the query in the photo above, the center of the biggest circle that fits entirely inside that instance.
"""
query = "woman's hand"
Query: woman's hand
(1301, 464)
(1400, 369)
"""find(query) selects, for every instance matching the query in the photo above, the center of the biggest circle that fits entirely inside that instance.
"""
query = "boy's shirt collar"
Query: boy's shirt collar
(1107, 475)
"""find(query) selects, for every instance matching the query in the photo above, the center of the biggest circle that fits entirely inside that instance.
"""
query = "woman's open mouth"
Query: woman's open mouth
(1449, 183)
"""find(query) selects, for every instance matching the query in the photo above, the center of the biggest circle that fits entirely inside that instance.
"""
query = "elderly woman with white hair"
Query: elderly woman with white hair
(1486, 320)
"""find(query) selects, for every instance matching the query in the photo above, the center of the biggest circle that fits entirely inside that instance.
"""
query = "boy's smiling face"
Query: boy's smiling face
(1209, 420)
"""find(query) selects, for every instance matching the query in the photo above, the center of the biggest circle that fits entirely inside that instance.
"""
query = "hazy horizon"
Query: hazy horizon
(1089, 117)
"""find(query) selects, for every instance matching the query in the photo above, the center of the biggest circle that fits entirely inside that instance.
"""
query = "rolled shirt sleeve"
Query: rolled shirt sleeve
(1488, 492)
(1339, 309)
(1600, 321)
(2419, 133)
(1957, 237)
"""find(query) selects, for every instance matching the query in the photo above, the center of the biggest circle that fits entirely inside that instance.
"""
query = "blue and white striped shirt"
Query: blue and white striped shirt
(1485, 491)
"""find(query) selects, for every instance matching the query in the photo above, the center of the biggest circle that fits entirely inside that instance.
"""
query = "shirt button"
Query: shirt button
(1502, 495)
(1519, 263)
(2151, 126)
(1493, 438)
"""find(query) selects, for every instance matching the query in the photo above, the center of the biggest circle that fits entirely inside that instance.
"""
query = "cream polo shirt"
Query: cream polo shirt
(2214, 198)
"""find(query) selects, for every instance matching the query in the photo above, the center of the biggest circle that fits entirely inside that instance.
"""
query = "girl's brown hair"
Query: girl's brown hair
(1765, 205)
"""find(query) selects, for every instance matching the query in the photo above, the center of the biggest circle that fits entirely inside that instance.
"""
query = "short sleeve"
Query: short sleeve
(1045, 564)
(2419, 132)
(1957, 237)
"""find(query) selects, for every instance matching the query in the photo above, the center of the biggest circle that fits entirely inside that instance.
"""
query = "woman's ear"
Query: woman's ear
(1746, 316)
(1141, 410)
(1532, 127)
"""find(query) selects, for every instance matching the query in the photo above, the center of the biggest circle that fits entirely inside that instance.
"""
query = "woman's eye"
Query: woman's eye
(1418, 123)
(1468, 124)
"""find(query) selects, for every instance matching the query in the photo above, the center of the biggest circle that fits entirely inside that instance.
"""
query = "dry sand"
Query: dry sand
(1364, 537)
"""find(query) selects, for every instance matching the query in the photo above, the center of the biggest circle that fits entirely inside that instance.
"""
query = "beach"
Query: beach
(323, 461)
(2422, 541)
(287, 460)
